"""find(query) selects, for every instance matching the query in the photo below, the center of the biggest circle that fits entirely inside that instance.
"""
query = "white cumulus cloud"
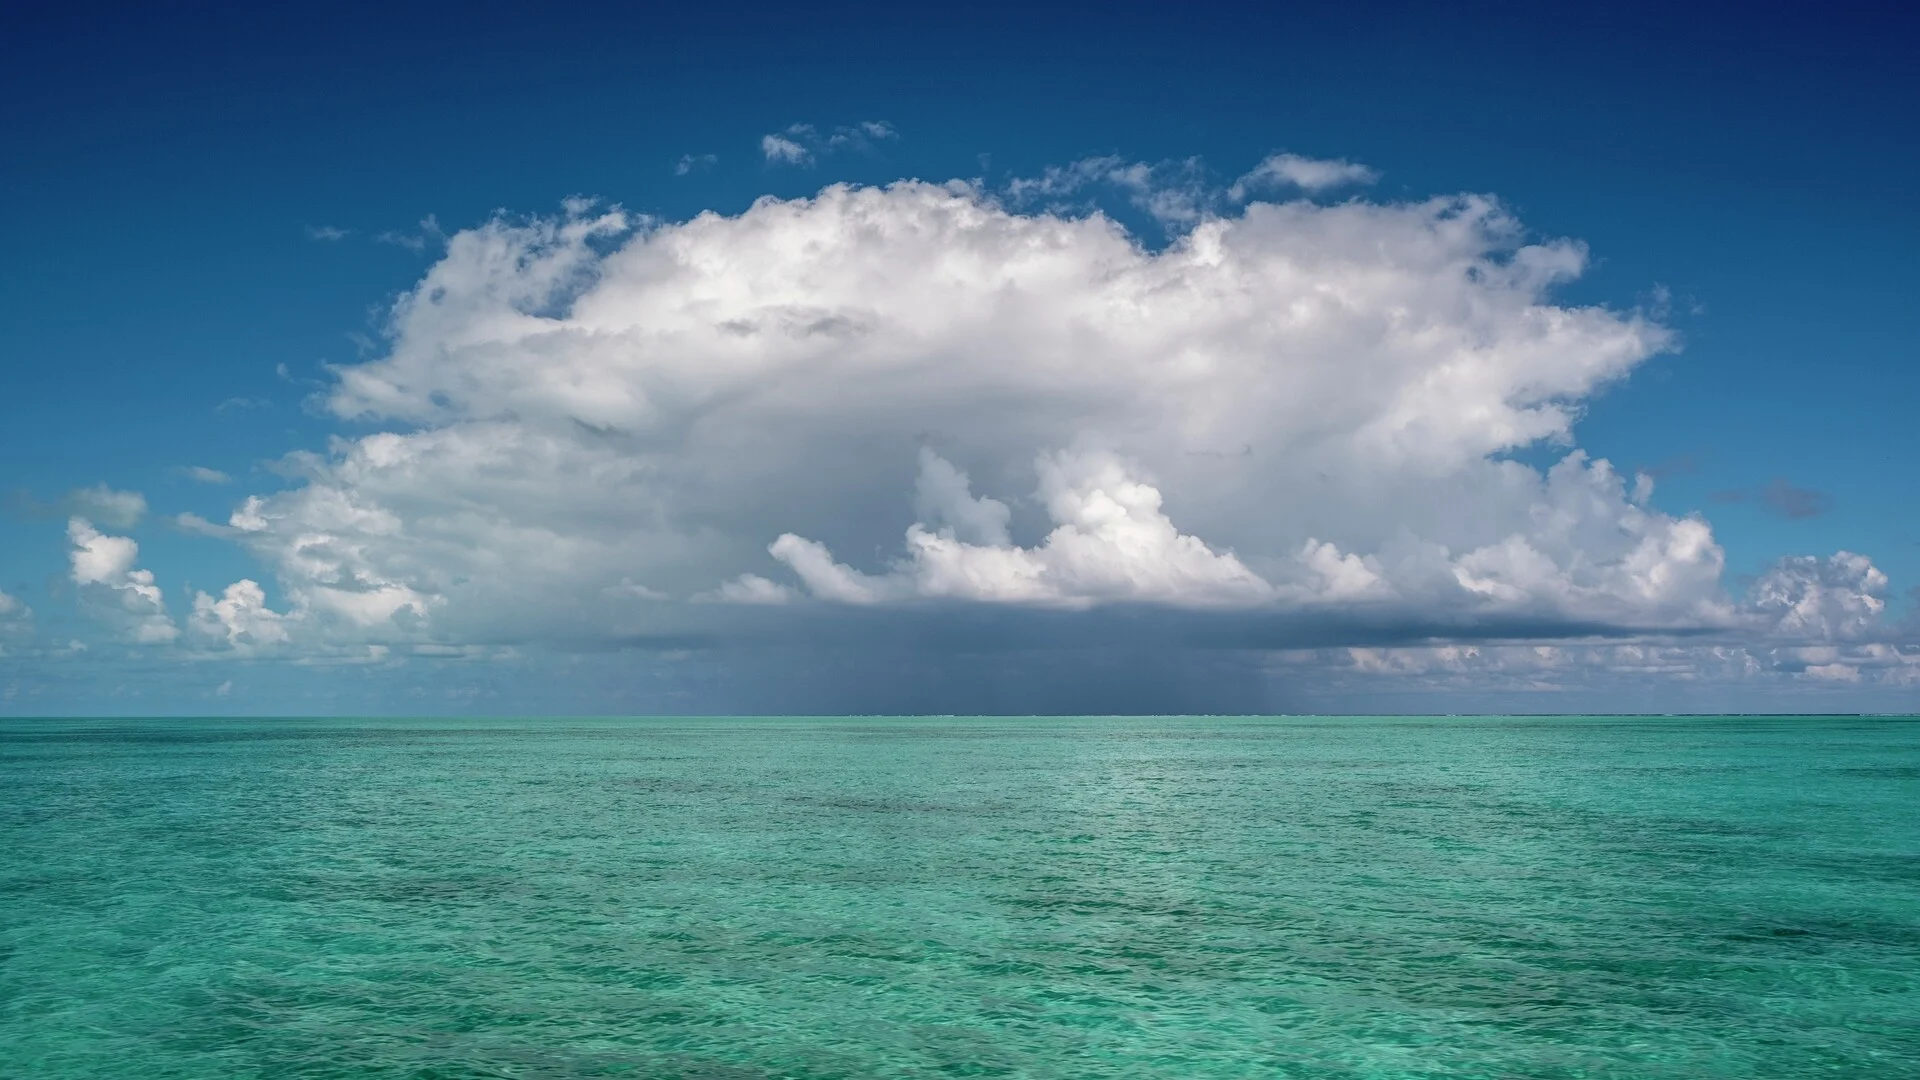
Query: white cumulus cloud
(239, 619)
(1837, 598)
(113, 589)
(1292, 408)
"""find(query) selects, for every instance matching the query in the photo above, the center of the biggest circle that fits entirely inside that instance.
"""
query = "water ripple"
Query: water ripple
(735, 899)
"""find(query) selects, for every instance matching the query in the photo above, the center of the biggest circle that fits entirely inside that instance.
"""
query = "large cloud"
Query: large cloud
(919, 396)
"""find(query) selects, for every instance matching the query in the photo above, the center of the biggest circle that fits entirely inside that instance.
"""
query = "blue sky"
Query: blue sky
(213, 214)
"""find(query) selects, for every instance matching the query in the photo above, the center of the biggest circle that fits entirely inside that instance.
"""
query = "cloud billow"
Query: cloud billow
(921, 397)
(115, 591)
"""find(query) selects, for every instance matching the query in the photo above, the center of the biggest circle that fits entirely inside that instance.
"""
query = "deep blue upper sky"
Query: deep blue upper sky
(165, 170)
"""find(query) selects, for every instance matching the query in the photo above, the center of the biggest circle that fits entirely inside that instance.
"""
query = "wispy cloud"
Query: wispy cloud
(803, 144)
(200, 474)
(1795, 503)
(193, 523)
(782, 150)
(1174, 193)
(327, 233)
(120, 509)
(628, 589)
(863, 135)
(418, 239)
(1781, 498)
(691, 163)
(362, 344)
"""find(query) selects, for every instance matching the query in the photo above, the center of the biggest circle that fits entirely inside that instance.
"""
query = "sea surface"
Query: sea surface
(757, 898)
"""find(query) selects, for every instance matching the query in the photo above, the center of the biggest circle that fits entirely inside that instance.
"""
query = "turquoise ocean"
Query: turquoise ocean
(737, 899)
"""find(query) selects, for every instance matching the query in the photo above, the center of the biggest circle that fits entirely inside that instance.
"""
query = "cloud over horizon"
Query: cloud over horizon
(1296, 422)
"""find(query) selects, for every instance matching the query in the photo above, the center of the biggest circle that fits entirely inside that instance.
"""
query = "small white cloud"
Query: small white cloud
(690, 163)
(863, 135)
(781, 150)
(203, 475)
(1311, 175)
(193, 523)
(801, 144)
(327, 233)
(223, 689)
(119, 509)
(411, 242)
(241, 404)
(749, 589)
